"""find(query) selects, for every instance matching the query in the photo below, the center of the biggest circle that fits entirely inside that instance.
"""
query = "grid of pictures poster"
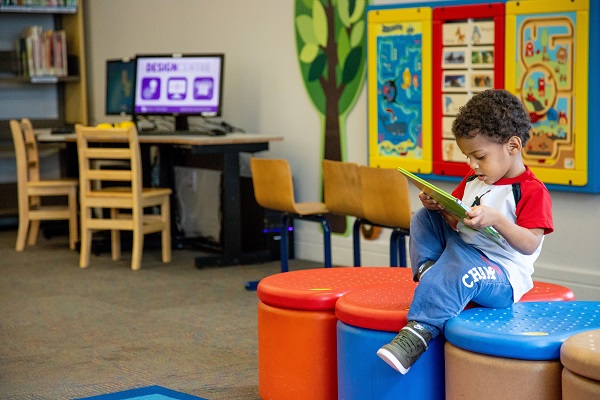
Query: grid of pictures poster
(467, 68)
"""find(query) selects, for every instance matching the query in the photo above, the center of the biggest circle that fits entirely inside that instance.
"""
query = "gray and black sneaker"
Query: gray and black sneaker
(422, 270)
(402, 352)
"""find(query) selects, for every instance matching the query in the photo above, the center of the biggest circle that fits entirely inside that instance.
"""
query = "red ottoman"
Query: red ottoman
(297, 346)
(543, 291)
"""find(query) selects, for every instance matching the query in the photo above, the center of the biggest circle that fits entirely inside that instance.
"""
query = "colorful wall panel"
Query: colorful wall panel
(541, 50)
(399, 94)
(547, 67)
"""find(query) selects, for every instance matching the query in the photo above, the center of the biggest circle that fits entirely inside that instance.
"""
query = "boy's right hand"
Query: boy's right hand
(430, 203)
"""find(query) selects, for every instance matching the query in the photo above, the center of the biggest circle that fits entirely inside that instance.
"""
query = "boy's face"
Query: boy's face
(492, 161)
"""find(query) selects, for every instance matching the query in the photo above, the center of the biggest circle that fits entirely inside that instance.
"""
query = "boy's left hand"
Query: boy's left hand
(481, 217)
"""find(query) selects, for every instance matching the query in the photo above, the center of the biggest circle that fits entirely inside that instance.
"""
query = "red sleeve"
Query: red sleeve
(534, 210)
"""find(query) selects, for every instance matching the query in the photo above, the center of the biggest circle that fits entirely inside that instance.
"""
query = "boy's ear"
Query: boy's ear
(514, 145)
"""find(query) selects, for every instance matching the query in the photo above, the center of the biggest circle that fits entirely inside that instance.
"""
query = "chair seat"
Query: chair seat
(310, 208)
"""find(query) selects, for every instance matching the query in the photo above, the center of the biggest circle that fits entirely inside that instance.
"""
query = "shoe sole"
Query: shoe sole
(392, 361)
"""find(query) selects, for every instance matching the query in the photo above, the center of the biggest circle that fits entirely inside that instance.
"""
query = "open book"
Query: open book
(451, 204)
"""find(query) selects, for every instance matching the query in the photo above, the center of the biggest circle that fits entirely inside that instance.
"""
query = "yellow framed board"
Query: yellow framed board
(547, 68)
(399, 88)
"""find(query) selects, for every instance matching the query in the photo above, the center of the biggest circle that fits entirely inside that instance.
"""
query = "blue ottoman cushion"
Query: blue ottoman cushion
(526, 331)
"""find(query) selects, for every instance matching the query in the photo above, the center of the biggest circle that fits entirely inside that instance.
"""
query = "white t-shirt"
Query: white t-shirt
(525, 201)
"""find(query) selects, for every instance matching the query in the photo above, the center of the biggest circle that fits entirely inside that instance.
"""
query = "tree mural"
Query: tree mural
(331, 46)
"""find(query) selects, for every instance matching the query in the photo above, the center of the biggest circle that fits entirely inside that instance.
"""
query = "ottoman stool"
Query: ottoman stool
(514, 352)
(580, 356)
(369, 318)
(297, 346)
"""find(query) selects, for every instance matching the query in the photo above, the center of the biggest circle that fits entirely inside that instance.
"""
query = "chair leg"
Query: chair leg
(356, 241)
(73, 231)
(402, 252)
(283, 242)
(22, 233)
(394, 249)
(85, 248)
(34, 231)
(115, 238)
(137, 249)
(166, 231)
(326, 242)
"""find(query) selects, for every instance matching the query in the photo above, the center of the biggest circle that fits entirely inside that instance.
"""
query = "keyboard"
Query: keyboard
(176, 133)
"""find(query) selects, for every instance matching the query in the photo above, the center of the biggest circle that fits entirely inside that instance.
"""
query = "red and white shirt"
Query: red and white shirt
(525, 201)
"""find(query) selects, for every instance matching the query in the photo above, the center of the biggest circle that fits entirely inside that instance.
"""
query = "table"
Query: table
(192, 149)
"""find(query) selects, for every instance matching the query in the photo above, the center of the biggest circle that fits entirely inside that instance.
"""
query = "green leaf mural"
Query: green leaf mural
(331, 47)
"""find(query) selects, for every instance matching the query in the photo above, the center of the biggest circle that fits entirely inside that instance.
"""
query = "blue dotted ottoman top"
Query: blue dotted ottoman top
(526, 331)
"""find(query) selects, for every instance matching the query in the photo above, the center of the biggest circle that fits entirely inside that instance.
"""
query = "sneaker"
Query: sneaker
(402, 352)
(422, 270)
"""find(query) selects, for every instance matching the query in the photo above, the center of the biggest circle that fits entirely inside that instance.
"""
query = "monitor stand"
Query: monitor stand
(181, 123)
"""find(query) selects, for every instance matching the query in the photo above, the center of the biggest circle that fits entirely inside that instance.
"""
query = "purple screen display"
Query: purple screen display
(178, 85)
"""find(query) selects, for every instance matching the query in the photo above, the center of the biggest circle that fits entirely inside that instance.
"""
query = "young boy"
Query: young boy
(456, 264)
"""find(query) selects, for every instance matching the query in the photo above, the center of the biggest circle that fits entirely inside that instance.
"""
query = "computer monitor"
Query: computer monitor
(119, 86)
(181, 85)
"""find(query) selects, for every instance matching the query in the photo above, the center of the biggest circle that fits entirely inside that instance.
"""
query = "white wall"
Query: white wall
(264, 93)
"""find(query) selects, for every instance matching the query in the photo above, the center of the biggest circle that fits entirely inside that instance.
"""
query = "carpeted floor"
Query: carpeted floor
(68, 333)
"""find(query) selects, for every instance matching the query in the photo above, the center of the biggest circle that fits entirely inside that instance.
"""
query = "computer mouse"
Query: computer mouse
(217, 132)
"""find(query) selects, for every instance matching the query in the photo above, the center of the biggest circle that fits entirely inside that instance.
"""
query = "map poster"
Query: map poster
(547, 69)
(399, 88)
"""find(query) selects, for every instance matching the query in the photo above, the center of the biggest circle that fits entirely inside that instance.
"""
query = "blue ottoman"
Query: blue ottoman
(514, 352)
(368, 318)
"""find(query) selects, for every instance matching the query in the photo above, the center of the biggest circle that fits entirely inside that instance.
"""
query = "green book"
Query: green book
(451, 204)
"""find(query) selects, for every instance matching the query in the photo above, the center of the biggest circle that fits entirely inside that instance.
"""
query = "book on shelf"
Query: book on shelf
(42, 53)
(69, 6)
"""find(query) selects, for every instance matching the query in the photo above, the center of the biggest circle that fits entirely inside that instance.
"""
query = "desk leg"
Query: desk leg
(167, 179)
(231, 234)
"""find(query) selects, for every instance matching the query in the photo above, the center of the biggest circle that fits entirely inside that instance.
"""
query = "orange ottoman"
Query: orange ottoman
(580, 356)
(297, 345)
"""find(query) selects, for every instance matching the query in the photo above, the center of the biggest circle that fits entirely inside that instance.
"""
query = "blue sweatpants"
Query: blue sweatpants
(461, 273)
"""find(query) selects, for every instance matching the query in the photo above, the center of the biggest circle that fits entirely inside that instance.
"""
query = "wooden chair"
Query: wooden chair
(343, 196)
(274, 189)
(121, 190)
(31, 189)
(386, 203)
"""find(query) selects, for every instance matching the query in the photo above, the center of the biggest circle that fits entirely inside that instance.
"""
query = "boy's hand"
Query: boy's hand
(430, 203)
(481, 217)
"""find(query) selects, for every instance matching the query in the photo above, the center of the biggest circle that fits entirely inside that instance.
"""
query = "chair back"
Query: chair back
(26, 151)
(109, 144)
(342, 188)
(273, 184)
(27, 156)
(386, 198)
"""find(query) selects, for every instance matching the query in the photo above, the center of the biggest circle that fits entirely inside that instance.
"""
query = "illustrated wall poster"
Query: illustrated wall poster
(547, 67)
(468, 57)
(399, 88)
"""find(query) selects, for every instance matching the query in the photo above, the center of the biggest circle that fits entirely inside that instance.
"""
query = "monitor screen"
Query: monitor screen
(119, 86)
(180, 85)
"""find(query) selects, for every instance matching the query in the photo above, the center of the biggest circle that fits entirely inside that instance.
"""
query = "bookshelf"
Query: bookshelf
(48, 100)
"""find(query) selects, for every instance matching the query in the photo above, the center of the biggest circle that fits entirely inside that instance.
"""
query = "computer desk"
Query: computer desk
(189, 150)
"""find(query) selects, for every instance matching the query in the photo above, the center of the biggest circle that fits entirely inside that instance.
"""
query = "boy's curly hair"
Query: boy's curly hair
(496, 114)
